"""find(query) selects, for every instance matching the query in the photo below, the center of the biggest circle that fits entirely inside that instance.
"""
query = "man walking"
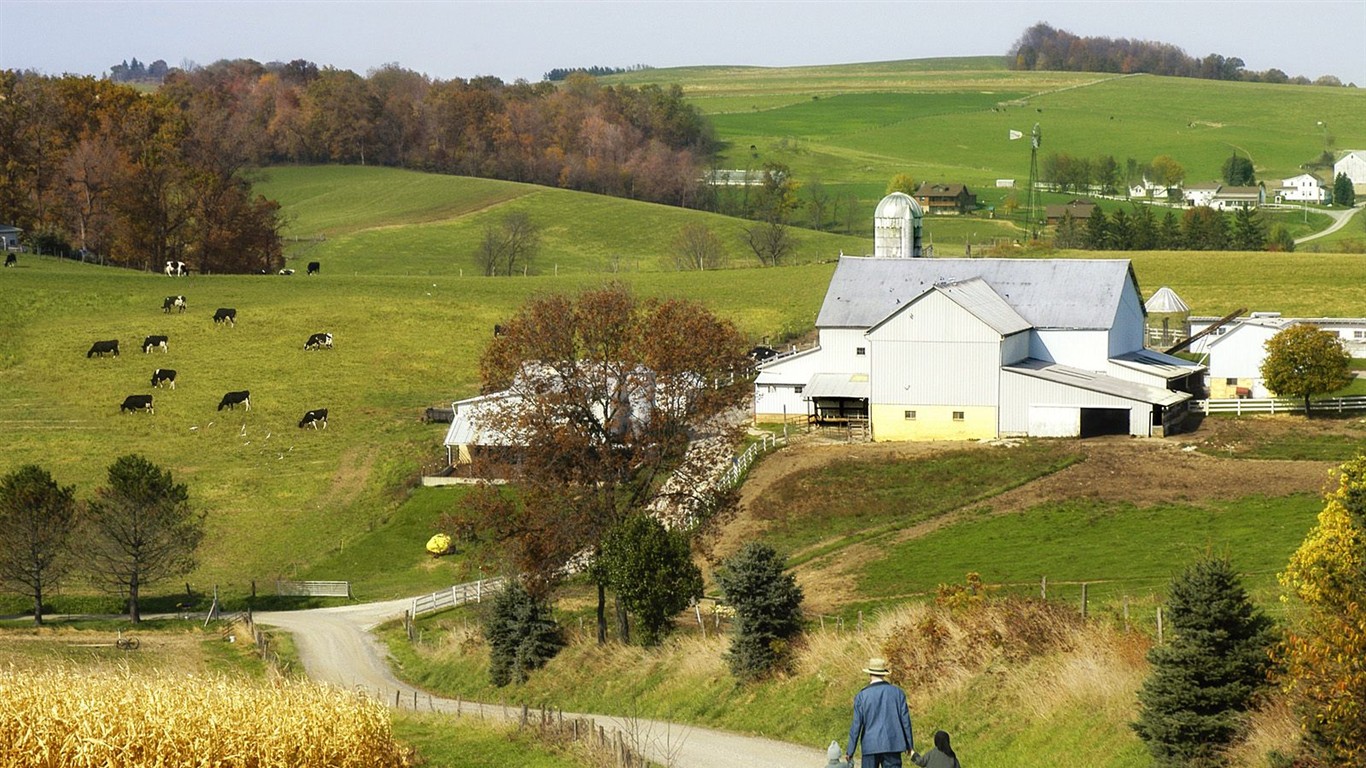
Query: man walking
(882, 720)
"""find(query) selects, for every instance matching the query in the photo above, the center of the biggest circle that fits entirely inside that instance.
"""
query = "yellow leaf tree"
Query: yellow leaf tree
(1324, 654)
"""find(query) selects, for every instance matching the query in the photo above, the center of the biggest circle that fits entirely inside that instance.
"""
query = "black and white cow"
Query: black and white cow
(319, 341)
(102, 348)
(137, 403)
(13, 261)
(286, 271)
(762, 354)
(163, 376)
(313, 418)
(176, 269)
(314, 267)
(152, 342)
(232, 399)
(225, 315)
(173, 302)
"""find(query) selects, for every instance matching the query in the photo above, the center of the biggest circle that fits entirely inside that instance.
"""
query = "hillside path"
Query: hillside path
(1340, 219)
(337, 647)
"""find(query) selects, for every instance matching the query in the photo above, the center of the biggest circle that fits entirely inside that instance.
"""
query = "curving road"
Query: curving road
(336, 646)
(1340, 219)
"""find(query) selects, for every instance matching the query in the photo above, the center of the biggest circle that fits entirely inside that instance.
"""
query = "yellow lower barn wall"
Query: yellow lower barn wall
(932, 422)
(1220, 387)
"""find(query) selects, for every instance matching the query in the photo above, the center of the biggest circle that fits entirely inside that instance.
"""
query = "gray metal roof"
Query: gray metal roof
(1158, 363)
(837, 385)
(1096, 382)
(1047, 293)
(977, 297)
(1166, 300)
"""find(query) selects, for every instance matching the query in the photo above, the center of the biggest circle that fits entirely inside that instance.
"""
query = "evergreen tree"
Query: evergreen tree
(767, 605)
(1119, 235)
(1280, 239)
(1169, 237)
(1238, 171)
(1068, 233)
(1344, 193)
(36, 517)
(1097, 230)
(1249, 231)
(1204, 229)
(1205, 678)
(522, 635)
(1143, 229)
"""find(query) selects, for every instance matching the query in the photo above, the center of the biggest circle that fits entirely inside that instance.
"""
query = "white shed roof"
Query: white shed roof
(1096, 382)
(1046, 293)
(837, 385)
(1166, 300)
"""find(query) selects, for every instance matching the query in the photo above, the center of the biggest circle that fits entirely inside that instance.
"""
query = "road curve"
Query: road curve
(336, 647)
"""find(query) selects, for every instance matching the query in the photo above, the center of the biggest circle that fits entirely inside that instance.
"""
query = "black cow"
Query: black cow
(163, 376)
(286, 271)
(102, 347)
(152, 342)
(761, 353)
(232, 399)
(13, 261)
(137, 403)
(313, 418)
(319, 341)
(314, 268)
(176, 269)
(173, 302)
(225, 315)
(497, 330)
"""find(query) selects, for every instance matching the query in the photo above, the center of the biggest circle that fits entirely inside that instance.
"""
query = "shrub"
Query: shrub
(522, 635)
(767, 605)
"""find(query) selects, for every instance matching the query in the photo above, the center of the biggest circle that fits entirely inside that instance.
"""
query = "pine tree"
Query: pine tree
(522, 635)
(767, 605)
(1344, 194)
(1249, 231)
(1202, 682)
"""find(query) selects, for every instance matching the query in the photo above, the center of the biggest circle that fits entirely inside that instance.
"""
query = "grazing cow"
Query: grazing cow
(102, 347)
(173, 302)
(152, 342)
(13, 261)
(286, 271)
(163, 376)
(497, 330)
(176, 269)
(225, 315)
(313, 418)
(314, 268)
(232, 399)
(761, 353)
(137, 403)
(318, 341)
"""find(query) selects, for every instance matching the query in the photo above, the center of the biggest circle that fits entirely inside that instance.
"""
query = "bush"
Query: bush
(522, 635)
(767, 605)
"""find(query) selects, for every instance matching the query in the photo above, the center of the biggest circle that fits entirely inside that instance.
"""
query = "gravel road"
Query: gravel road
(335, 646)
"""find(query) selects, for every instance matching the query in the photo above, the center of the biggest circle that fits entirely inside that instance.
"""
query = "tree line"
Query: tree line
(1200, 228)
(129, 178)
(1042, 47)
(560, 73)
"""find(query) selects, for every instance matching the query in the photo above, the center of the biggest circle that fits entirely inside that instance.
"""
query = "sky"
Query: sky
(513, 39)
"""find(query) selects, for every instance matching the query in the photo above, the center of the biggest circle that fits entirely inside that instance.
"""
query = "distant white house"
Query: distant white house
(1200, 194)
(1237, 349)
(1354, 165)
(1305, 188)
(1146, 188)
(1223, 197)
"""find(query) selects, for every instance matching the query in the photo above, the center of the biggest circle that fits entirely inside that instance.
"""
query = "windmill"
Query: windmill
(1035, 139)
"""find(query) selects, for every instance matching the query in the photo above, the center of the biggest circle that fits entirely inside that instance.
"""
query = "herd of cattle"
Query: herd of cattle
(315, 418)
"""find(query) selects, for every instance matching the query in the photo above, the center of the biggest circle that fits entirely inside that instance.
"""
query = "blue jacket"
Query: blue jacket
(882, 721)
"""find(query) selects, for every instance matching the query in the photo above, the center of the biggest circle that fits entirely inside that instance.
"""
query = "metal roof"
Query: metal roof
(837, 385)
(1166, 300)
(1157, 363)
(986, 305)
(1096, 382)
(1047, 293)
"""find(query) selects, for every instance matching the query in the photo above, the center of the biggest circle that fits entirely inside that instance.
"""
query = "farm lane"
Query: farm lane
(336, 647)
(1340, 219)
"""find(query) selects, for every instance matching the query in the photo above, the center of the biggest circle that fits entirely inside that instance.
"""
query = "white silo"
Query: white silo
(896, 227)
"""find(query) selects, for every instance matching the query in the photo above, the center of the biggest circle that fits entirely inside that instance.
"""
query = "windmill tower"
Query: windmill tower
(1035, 139)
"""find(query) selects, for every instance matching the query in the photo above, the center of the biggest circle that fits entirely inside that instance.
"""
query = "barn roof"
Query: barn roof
(1096, 382)
(1046, 293)
(975, 296)
(837, 385)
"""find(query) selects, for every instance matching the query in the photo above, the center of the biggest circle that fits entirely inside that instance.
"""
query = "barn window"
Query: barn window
(798, 389)
(1231, 381)
(1359, 334)
(910, 415)
(957, 415)
(860, 350)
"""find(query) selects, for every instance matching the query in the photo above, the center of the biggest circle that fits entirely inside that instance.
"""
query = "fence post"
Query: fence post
(1159, 625)
(1083, 599)
(1043, 588)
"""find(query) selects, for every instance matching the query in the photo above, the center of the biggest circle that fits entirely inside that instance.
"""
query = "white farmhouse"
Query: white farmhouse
(923, 349)
(1200, 194)
(1305, 188)
(1236, 355)
(1354, 165)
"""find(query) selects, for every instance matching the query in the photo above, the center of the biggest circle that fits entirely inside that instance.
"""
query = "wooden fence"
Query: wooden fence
(1240, 406)
(314, 588)
(460, 594)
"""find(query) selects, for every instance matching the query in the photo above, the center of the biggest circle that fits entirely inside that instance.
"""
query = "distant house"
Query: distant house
(1081, 211)
(1236, 350)
(1148, 188)
(1222, 197)
(9, 237)
(1354, 165)
(1305, 188)
(733, 177)
(1200, 194)
(945, 198)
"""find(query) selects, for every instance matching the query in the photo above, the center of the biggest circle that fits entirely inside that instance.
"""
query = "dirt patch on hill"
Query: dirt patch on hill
(1142, 472)
(350, 478)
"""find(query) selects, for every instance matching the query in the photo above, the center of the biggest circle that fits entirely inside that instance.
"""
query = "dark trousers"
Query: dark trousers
(882, 760)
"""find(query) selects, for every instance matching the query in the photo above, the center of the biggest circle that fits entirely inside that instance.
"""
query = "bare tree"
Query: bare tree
(770, 241)
(509, 246)
(697, 247)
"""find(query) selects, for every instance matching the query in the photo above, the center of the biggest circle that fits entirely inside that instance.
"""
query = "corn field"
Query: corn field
(66, 717)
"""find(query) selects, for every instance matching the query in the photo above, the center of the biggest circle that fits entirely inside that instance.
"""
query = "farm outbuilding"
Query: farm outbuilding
(9, 237)
(924, 349)
(1353, 164)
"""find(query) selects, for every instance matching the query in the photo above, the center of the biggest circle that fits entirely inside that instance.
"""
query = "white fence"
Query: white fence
(1240, 406)
(741, 464)
(460, 594)
(314, 588)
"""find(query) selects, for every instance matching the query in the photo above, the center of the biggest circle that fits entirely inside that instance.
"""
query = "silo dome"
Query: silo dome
(896, 227)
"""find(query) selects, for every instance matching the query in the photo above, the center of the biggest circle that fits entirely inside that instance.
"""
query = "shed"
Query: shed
(9, 237)
(1168, 317)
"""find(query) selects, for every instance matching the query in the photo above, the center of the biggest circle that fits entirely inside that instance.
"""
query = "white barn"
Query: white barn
(1354, 165)
(923, 349)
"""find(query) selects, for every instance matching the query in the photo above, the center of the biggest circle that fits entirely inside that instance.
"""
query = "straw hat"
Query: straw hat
(877, 667)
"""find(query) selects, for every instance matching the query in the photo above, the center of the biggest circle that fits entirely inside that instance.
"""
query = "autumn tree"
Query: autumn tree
(1167, 171)
(140, 529)
(770, 241)
(36, 519)
(902, 182)
(1324, 653)
(697, 247)
(1204, 680)
(1303, 361)
(601, 394)
(650, 569)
